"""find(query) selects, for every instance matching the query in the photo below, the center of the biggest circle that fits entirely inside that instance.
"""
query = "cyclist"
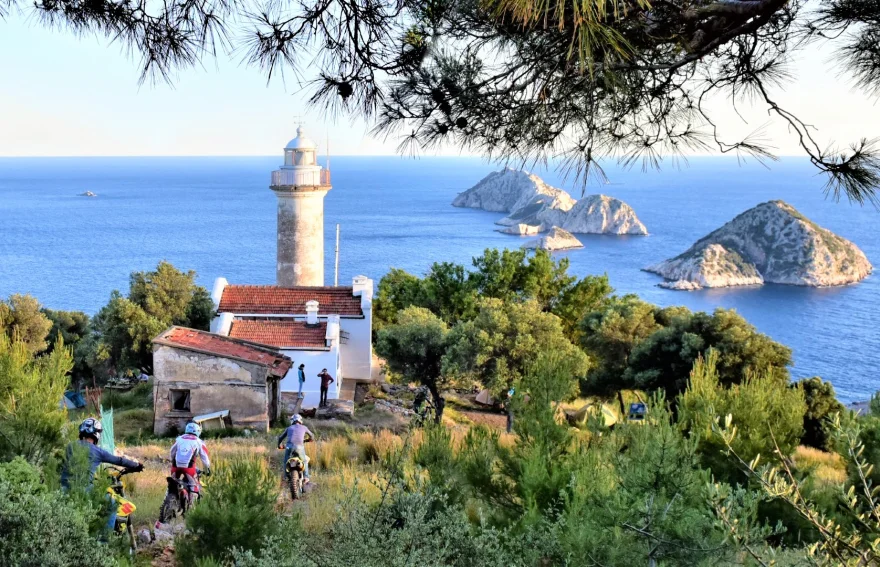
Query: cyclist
(90, 431)
(183, 458)
(296, 440)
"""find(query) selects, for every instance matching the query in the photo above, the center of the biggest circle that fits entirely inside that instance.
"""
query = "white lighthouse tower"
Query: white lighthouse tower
(300, 185)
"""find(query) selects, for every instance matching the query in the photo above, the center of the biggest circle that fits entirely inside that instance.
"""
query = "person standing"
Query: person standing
(510, 393)
(326, 380)
(301, 372)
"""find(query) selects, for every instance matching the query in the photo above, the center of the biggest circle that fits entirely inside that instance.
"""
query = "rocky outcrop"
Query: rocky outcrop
(532, 202)
(506, 191)
(681, 285)
(770, 243)
(543, 210)
(556, 239)
(521, 229)
(601, 214)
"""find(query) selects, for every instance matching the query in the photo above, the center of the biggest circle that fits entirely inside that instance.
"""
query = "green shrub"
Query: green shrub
(141, 396)
(31, 419)
(43, 527)
(237, 511)
(411, 528)
(768, 414)
(821, 405)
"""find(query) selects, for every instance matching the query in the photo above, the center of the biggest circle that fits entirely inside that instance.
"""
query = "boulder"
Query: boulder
(770, 243)
(385, 406)
(556, 239)
(336, 409)
(162, 536)
(144, 537)
(521, 229)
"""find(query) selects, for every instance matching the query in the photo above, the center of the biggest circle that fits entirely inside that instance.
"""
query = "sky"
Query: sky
(62, 95)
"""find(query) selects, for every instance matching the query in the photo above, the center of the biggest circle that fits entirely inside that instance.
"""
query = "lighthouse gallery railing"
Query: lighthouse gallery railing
(293, 177)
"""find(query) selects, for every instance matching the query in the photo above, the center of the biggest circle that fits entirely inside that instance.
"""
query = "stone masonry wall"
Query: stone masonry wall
(214, 383)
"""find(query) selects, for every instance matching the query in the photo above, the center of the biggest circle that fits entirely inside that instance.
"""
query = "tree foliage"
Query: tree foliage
(525, 80)
(123, 329)
(850, 544)
(452, 292)
(32, 419)
(822, 405)
(499, 345)
(610, 334)
(71, 327)
(665, 358)
(21, 316)
(413, 349)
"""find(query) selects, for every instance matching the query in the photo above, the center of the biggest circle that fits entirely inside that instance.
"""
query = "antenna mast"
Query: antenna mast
(336, 273)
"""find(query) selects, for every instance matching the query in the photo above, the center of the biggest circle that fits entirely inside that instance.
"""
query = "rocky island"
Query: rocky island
(770, 243)
(531, 202)
(556, 239)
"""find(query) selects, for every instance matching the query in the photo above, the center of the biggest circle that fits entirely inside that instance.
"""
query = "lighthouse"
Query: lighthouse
(300, 185)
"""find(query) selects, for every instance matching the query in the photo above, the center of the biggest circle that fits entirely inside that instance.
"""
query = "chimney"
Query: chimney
(311, 312)
(362, 286)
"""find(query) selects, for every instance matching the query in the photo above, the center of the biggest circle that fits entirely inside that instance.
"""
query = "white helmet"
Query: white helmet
(296, 418)
(194, 428)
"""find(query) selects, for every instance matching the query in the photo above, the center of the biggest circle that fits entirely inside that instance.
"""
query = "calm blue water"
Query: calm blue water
(217, 216)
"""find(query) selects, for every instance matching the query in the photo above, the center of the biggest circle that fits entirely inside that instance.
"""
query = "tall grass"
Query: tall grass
(825, 469)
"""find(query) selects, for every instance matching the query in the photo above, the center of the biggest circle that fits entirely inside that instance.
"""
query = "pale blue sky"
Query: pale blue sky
(63, 95)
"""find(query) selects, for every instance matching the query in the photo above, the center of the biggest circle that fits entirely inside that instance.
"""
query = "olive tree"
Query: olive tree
(413, 348)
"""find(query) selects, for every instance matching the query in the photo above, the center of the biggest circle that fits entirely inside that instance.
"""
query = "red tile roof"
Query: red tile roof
(282, 333)
(265, 299)
(209, 343)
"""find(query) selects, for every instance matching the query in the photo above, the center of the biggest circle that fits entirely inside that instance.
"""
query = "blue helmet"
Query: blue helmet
(91, 427)
(194, 428)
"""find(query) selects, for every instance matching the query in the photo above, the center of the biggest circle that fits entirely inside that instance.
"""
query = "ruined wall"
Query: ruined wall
(214, 383)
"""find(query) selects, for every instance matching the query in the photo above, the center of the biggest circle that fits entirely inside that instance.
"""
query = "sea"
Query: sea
(216, 216)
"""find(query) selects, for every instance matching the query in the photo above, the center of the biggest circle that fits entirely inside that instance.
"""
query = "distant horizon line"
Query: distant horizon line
(695, 156)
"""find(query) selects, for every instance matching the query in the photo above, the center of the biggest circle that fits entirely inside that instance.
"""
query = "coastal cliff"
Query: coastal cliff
(601, 214)
(506, 191)
(532, 202)
(770, 243)
(556, 239)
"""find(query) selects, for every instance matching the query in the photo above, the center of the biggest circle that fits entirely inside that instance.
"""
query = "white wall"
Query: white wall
(357, 353)
(314, 360)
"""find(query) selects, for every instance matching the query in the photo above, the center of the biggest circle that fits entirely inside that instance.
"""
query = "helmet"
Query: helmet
(296, 418)
(194, 428)
(91, 427)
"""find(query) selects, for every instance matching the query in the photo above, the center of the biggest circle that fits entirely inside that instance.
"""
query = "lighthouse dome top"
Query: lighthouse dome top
(301, 142)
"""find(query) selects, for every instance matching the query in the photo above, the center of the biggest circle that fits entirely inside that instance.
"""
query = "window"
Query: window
(180, 400)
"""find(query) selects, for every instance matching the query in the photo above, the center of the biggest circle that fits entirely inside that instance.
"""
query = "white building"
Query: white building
(316, 325)
(319, 326)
